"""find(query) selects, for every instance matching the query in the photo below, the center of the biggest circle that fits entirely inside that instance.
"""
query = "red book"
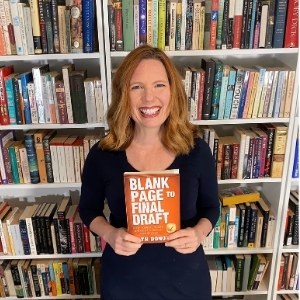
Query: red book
(237, 24)
(4, 117)
(201, 93)
(214, 23)
(291, 28)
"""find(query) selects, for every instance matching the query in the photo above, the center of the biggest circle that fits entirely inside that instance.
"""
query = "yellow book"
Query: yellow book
(57, 267)
(253, 94)
(161, 24)
(236, 195)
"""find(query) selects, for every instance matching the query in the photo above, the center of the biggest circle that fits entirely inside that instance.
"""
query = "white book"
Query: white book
(28, 29)
(54, 159)
(46, 97)
(173, 4)
(241, 137)
(77, 168)
(17, 28)
(53, 238)
(268, 93)
(22, 27)
(183, 25)
(32, 103)
(16, 235)
(69, 154)
(263, 26)
(30, 233)
(90, 100)
(66, 69)
(38, 88)
(62, 162)
(231, 226)
(99, 101)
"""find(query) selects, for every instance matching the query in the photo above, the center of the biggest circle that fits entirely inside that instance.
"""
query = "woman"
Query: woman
(149, 130)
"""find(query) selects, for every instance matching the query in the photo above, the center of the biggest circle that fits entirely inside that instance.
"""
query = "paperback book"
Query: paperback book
(152, 204)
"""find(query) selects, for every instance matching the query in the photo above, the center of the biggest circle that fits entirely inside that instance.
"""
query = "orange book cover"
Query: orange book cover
(152, 204)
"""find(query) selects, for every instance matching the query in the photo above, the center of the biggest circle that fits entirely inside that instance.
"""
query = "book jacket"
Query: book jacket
(152, 204)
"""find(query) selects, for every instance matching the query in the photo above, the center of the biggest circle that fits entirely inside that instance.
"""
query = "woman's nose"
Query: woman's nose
(149, 94)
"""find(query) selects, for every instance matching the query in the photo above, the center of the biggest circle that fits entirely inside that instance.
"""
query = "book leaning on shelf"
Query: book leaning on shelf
(236, 195)
(152, 204)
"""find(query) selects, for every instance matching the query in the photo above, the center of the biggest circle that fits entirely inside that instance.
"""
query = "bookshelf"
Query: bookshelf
(102, 63)
(276, 190)
(28, 194)
(292, 184)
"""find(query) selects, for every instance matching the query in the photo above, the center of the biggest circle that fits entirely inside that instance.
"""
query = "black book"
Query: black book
(264, 207)
(208, 65)
(294, 206)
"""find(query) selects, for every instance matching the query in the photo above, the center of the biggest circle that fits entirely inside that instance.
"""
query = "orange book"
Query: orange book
(152, 204)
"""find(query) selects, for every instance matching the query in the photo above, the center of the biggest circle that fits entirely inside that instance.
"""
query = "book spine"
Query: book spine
(32, 159)
(55, 26)
(76, 26)
(88, 25)
(24, 237)
(35, 22)
(279, 26)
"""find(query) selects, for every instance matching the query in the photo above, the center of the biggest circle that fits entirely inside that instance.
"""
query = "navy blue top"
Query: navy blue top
(154, 264)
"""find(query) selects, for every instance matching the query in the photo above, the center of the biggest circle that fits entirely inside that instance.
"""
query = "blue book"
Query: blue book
(10, 95)
(13, 161)
(25, 78)
(295, 172)
(32, 158)
(243, 94)
(229, 94)
(215, 99)
(279, 26)
(88, 26)
(143, 21)
(224, 84)
(252, 26)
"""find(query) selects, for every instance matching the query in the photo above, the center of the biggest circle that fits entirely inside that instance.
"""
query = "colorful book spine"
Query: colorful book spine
(143, 21)
(229, 93)
(32, 159)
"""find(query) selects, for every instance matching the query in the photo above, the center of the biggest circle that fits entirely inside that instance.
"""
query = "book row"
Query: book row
(46, 27)
(46, 228)
(252, 152)
(288, 278)
(39, 278)
(291, 234)
(42, 95)
(239, 272)
(248, 224)
(197, 25)
(221, 91)
(43, 156)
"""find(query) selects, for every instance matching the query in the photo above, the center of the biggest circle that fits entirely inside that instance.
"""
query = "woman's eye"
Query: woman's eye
(159, 85)
(136, 87)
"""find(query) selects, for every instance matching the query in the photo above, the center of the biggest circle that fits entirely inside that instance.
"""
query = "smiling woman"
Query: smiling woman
(149, 130)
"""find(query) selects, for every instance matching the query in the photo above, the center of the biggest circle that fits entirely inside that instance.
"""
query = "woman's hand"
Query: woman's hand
(123, 242)
(185, 240)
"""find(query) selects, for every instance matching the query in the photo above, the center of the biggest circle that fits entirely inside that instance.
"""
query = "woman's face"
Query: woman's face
(149, 93)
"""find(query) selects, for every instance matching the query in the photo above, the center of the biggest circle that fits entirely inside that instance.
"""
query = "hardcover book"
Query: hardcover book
(153, 204)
